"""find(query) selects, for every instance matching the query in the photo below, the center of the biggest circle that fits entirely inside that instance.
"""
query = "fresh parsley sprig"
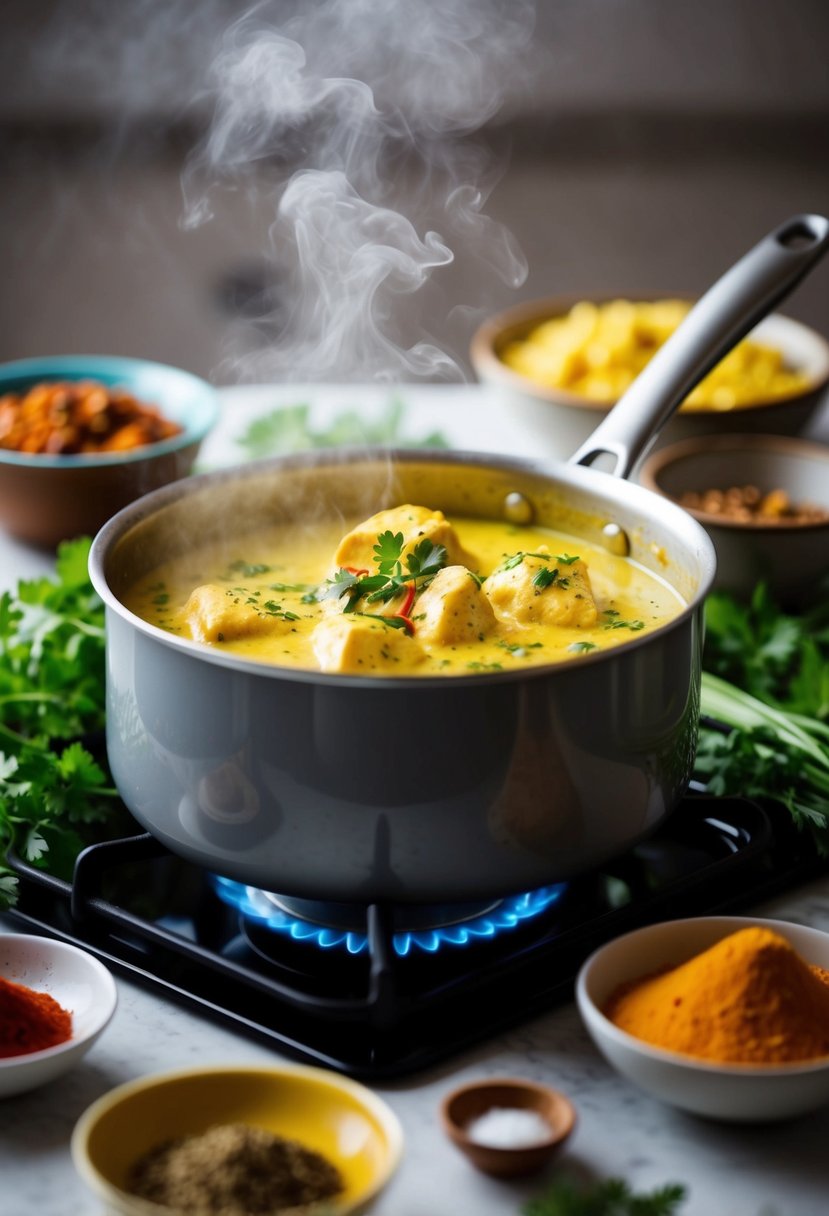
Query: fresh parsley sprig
(609, 1197)
(422, 563)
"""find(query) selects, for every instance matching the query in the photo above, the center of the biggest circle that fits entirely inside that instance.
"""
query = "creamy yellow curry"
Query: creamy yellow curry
(406, 592)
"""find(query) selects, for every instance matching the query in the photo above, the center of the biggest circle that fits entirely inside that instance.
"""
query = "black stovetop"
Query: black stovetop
(157, 919)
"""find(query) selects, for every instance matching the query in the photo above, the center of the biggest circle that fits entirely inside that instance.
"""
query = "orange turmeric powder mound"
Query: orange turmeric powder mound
(750, 999)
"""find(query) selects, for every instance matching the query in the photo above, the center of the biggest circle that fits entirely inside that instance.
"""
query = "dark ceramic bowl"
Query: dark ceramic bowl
(45, 499)
(790, 556)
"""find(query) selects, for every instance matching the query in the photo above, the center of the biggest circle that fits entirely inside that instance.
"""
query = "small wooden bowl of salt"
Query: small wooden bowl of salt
(507, 1126)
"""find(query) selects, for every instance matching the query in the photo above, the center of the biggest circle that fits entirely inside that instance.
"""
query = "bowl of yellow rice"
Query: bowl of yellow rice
(559, 364)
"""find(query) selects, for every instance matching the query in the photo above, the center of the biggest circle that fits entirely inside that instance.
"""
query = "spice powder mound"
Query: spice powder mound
(30, 1021)
(233, 1170)
(749, 999)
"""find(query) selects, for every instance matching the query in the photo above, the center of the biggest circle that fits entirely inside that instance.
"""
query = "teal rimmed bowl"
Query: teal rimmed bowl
(45, 499)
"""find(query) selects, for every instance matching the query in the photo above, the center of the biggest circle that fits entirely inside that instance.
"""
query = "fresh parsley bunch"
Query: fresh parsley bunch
(766, 678)
(51, 705)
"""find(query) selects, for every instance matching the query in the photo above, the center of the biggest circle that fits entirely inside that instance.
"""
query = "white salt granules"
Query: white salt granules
(508, 1127)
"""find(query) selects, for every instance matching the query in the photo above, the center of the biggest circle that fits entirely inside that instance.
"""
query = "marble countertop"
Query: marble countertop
(776, 1169)
(761, 1170)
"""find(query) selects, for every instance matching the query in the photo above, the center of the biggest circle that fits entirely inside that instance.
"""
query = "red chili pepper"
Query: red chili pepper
(354, 570)
(406, 609)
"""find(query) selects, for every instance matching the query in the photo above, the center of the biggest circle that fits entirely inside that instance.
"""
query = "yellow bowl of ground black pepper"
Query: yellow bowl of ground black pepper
(293, 1128)
(742, 1002)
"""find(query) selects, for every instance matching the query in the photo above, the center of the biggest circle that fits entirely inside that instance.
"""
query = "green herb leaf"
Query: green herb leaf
(289, 429)
(334, 588)
(393, 622)
(611, 1197)
(272, 608)
(247, 569)
(387, 552)
(426, 559)
(518, 650)
(618, 623)
(512, 560)
(546, 577)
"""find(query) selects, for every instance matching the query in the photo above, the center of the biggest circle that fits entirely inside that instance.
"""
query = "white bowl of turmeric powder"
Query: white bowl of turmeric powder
(559, 364)
(55, 1001)
(722, 1016)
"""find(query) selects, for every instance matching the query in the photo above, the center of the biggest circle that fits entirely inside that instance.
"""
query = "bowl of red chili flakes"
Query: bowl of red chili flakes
(81, 436)
(55, 1001)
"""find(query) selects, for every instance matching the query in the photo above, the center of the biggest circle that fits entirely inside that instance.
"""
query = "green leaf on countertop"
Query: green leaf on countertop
(610, 1197)
(289, 429)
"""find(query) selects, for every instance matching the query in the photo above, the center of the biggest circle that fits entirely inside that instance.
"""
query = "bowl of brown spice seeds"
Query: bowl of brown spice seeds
(238, 1141)
(764, 501)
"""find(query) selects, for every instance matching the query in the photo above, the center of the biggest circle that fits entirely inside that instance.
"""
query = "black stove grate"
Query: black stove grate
(156, 918)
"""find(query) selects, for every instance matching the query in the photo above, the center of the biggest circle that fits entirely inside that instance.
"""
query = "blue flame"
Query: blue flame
(512, 911)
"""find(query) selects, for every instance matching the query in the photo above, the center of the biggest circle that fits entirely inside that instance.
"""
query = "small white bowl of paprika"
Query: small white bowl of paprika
(710, 988)
(55, 1000)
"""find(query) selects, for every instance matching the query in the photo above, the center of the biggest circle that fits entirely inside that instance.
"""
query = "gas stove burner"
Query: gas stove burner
(405, 918)
(339, 995)
(426, 927)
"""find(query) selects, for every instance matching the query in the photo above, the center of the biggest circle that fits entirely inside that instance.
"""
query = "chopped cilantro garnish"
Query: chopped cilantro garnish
(512, 560)
(247, 569)
(545, 577)
(518, 650)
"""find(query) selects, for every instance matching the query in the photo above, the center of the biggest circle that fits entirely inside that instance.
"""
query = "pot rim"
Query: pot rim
(581, 477)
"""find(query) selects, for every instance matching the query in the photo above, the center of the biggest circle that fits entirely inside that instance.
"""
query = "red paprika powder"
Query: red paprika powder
(30, 1021)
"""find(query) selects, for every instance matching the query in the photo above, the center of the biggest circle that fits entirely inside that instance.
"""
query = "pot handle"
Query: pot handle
(716, 323)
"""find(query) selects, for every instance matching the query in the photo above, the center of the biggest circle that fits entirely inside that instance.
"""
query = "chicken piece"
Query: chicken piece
(356, 645)
(453, 608)
(220, 614)
(415, 523)
(539, 590)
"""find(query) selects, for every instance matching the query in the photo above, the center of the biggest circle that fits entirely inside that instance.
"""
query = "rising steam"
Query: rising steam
(357, 114)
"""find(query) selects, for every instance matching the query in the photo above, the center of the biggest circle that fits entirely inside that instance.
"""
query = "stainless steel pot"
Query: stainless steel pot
(419, 790)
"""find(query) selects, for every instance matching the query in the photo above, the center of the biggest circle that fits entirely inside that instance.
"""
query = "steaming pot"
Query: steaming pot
(429, 789)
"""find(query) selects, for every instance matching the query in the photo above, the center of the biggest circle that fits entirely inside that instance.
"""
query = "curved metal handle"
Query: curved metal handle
(716, 323)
